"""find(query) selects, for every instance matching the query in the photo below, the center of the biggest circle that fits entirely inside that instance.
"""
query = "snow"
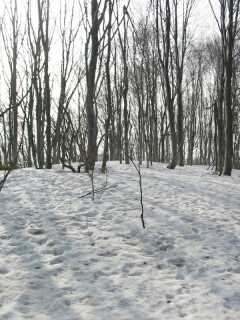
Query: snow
(63, 257)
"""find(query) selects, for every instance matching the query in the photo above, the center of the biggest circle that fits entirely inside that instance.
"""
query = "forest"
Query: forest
(119, 159)
(97, 83)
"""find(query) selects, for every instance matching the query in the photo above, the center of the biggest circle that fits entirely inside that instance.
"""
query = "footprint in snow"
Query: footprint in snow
(127, 267)
(166, 247)
(36, 231)
(77, 218)
(40, 241)
(187, 219)
(92, 214)
(24, 299)
(52, 243)
(5, 237)
(195, 230)
(107, 253)
(56, 260)
(79, 225)
(178, 262)
(54, 251)
(233, 302)
(190, 236)
(3, 270)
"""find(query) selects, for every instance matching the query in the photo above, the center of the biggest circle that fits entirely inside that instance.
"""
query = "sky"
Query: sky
(203, 19)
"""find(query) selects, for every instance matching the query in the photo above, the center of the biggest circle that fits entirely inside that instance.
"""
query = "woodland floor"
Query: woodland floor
(63, 257)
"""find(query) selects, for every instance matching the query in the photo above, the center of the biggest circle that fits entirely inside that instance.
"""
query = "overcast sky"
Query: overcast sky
(203, 18)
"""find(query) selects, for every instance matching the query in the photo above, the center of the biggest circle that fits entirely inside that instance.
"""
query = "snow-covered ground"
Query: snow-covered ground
(63, 257)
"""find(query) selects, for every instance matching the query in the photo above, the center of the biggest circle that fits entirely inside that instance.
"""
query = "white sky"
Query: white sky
(203, 18)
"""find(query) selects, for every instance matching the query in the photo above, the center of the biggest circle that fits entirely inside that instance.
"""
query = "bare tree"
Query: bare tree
(163, 20)
(70, 74)
(97, 17)
(180, 48)
(228, 27)
(11, 45)
(109, 88)
(43, 16)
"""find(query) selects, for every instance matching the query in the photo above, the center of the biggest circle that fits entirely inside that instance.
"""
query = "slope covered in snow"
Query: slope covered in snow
(63, 257)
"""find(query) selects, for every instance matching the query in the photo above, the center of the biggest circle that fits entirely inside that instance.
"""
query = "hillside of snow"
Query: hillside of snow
(64, 257)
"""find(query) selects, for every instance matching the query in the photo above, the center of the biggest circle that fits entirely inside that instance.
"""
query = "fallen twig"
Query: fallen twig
(64, 165)
(99, 190)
